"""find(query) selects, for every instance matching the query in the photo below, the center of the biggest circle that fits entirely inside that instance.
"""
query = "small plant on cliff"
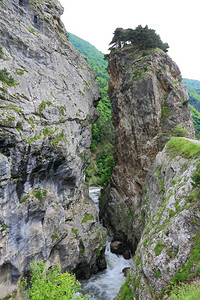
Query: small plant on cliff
(49, 284)
(87, 218)
(180, 131)
(6, 77)
(1, 52)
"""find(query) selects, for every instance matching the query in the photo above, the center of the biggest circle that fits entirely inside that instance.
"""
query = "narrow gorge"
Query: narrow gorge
(151, 204)
(48, 105)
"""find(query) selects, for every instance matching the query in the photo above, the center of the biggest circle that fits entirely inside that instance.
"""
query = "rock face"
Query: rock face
(48, 97)
(170, 239)
(150, 104)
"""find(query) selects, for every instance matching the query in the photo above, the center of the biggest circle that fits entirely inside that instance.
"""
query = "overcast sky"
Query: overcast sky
(176, 21)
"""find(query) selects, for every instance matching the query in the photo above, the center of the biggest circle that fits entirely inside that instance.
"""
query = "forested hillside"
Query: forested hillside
(193, 87)
(100, 169)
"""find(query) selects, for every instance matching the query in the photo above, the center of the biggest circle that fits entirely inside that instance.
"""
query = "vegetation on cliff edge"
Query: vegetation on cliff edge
(49, 284)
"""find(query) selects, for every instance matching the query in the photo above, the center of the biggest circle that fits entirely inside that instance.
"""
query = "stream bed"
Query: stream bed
(106, 284)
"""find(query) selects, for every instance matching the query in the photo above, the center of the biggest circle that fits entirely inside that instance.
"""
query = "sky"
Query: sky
(176, 21)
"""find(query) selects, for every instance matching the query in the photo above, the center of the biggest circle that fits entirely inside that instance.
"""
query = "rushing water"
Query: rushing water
(106, 284)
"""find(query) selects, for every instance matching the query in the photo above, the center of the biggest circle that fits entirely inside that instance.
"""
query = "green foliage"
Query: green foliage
(104, 163)
(157, 274)
(87, 218)
(142, 38)
(6, 77)
(193, 87)
(74, 230)
(158, 248)
(49, 284)
(1, 52)
(103, 130)
(180, 131)
(183, 147)
(126, 291)
(196, 120)
(185, 292)
(43, 105)
(40, 194)
(196, 177)
(189, 271)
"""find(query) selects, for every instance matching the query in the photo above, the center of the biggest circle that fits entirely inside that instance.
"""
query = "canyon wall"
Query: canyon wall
(48, 99)
(152, 204)
(150, 104)
(168, 250)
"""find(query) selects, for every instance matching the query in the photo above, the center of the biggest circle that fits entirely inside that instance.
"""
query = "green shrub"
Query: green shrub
(6, 77)
(49, 284)
(40, 194)
(158, 248)
(87, 218)
(180, 131)
(1, 52)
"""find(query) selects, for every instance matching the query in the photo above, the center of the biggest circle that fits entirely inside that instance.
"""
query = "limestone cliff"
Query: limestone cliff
(48, 97)
(150, 104)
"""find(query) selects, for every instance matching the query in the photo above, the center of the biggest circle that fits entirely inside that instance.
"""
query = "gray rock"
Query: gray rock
(171, 223)
(46, 116)
(149, 104)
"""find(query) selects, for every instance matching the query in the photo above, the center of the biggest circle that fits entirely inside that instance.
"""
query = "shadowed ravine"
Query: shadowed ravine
(106, 284)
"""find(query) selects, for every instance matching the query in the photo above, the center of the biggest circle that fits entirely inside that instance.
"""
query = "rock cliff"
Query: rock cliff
(168, 251)
(150, 104)
(48, 97)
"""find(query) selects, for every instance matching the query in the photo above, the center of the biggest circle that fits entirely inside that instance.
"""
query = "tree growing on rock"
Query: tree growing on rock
(142, 38)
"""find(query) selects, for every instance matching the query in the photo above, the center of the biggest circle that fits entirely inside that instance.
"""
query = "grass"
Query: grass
(126, 291)
(158, 248)
(87, 218)
(183, 147)
(185, 292)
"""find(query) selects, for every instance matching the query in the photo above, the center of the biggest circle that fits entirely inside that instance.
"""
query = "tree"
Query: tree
(141, 37)
(49, 284)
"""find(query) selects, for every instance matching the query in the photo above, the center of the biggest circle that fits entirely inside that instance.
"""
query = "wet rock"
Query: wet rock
(126, 254)
(126, 271)
(116, 247)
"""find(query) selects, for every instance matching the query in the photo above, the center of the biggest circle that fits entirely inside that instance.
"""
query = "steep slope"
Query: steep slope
(48, 97)
(150, 104)
(194, 92)
(100, 169)
(168, 251)
(193, 87)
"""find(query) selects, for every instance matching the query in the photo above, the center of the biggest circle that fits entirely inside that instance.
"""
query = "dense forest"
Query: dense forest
(193, 87)
(102, 162)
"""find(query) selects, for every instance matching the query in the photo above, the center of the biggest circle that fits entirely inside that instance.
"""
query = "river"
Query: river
(106, 284)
